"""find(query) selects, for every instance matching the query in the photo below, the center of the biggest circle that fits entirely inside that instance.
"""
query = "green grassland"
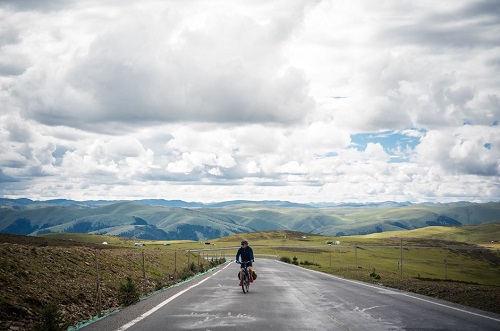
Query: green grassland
(481, 234)
(439, 253)
(111, 240)
(447, 253)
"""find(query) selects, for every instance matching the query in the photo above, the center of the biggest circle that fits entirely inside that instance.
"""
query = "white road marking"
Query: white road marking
(403, 294)
(149, 312)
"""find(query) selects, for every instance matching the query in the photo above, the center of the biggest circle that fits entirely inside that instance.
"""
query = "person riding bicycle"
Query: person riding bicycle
(246, 253)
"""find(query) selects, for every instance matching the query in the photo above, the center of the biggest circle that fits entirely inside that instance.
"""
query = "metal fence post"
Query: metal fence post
(446, 264)
(98, 285)
(356, 255)
(143, 273)
(401, 256)
(330, 255)
(175, 265)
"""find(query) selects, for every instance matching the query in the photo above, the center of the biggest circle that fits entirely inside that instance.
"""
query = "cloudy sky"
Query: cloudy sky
(298, 100)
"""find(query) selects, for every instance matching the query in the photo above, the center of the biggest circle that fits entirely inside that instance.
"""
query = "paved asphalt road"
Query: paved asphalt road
(286, 297)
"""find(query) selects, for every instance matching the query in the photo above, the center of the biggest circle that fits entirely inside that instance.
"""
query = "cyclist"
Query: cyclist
(246, 253)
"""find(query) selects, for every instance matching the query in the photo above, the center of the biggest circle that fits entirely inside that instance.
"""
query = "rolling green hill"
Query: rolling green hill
(158, 221)
(478, 234)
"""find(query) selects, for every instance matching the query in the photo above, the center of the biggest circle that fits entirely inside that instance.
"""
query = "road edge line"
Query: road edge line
(160, 305)
(400, 293)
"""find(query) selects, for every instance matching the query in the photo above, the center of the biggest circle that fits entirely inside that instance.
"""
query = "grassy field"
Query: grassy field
(463, 254)
(439, 253)
(481, 234)
(443, 253)
(111, 240)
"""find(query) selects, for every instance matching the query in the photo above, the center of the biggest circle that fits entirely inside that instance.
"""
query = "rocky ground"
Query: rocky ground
(35, 272)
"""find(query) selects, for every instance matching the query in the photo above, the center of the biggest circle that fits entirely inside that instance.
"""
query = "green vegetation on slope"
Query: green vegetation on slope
(480, 234)
(137, 220)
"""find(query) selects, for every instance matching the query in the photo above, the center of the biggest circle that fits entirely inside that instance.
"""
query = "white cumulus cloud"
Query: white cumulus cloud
(283, 99)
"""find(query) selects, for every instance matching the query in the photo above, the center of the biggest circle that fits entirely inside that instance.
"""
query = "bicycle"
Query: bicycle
(245, 283)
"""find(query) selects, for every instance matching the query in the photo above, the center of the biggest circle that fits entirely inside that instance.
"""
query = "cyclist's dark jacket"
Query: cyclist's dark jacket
(245, 253)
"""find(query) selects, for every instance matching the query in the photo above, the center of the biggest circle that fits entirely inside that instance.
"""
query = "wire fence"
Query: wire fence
(467, 264)
(151, 270)
(459, 263)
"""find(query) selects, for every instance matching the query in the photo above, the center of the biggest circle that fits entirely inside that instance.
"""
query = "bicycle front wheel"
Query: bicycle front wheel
(245, 285)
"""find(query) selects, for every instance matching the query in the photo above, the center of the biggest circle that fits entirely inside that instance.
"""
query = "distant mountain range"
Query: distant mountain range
(176, 219)
(23, 202)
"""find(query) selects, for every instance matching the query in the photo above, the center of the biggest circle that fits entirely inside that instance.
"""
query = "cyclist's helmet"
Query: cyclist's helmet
(244, 242)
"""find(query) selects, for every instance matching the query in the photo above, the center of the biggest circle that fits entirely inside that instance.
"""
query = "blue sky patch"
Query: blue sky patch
(397, 144)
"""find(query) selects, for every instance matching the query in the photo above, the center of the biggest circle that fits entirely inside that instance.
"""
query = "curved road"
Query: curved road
(286, 297)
